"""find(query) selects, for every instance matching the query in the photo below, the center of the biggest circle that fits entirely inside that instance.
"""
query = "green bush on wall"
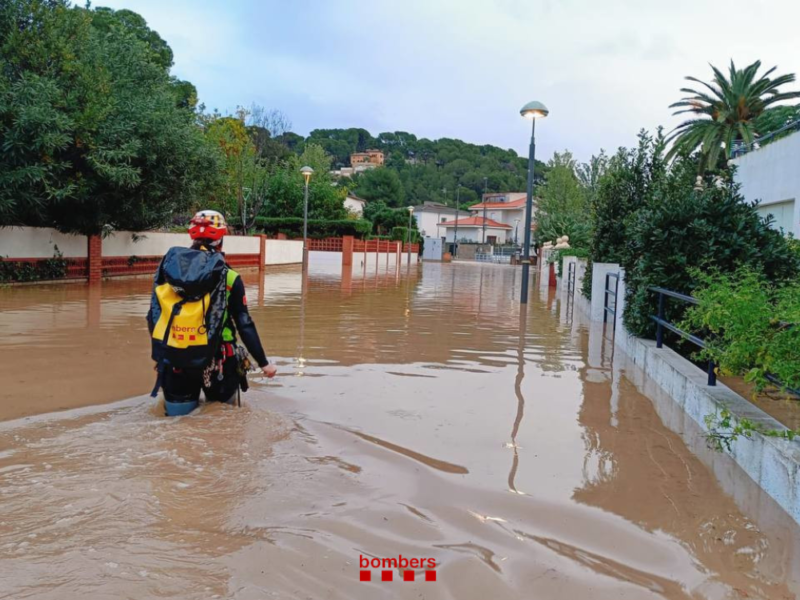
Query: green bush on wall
(399, 235)
(317, 228)
(559, 254)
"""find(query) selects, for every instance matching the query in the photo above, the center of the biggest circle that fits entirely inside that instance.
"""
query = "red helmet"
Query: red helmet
(207, 225)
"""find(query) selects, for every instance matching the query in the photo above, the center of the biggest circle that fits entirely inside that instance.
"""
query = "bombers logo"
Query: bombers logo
(389, 565)
(180, 333)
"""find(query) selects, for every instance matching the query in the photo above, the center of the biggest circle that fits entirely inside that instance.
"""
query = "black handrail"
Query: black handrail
(609, 292)
(662, 323)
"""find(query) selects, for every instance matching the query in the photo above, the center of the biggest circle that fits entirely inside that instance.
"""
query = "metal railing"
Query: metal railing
(740, 148)
(571, 278)
(662, 323)
(608, 292)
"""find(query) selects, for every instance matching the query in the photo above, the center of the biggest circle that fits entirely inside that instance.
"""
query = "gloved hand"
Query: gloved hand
(269, 370)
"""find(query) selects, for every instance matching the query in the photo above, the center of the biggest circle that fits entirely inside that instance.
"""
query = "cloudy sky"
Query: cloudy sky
(463, 68)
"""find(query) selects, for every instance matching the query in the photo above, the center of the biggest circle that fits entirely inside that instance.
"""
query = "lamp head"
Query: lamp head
(306, 172)
(534, 110)
(410, 209)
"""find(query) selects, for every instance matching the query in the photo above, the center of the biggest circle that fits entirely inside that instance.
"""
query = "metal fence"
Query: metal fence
(610, 292)
(498, 254)
(740, 148)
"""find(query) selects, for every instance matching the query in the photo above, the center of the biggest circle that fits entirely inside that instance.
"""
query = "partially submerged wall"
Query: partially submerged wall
(774, 464)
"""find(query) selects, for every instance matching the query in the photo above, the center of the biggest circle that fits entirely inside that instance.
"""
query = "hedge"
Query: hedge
(399, 235)
(317, 228)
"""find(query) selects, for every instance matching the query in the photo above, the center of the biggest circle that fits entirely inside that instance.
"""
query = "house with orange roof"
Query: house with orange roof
(472, 230)
(498, 219)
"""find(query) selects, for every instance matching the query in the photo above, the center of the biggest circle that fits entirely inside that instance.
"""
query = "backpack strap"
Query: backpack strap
(176, 310)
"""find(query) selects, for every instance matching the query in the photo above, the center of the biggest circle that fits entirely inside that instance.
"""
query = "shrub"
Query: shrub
(399, 234)
(559, 254)
(19, 272)
(682, 229)
(317, 228)
(747, 324)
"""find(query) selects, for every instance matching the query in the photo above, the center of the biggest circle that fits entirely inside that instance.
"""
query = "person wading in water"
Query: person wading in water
(197, 308)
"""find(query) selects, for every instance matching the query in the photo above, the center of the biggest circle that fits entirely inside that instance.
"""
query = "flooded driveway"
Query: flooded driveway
(416, 414)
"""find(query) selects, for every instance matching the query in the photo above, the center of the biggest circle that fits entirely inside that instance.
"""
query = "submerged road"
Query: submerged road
(416, 414)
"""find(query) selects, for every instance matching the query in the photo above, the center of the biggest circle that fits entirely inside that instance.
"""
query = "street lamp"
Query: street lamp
(455, 233)
(485, 182)
(306, 172)
(533, 111)
(410, 210)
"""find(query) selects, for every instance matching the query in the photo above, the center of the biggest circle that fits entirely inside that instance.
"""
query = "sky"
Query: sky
(464, 68)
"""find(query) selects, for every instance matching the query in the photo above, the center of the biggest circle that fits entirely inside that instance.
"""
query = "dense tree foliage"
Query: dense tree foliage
(623, 189)
(381, 185)
(433, 169)
(682, 228)
(562, 203)
(92, 130)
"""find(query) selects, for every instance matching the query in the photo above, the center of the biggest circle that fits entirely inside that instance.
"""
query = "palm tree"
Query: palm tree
(727, 114)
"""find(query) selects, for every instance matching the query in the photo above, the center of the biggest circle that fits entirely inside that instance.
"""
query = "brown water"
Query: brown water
(416, 414)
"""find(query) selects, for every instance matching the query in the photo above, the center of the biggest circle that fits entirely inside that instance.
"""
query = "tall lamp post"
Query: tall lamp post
(408, 234)
(532, 110)
(455, 233)
(485, 181)
(306, 172)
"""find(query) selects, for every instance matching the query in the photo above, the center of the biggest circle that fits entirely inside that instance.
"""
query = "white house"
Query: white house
(507, 208)
(471, 230)
(354, 204)
(430, 214)
(771, 174)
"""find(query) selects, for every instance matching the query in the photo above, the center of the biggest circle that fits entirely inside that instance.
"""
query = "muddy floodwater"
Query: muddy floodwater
(419, 414)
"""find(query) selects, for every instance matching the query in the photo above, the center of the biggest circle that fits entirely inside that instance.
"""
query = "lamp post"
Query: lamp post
(408, 235)
(455, 233)
(306, 173)
(516, 237)
(485, 180)
(532, 110)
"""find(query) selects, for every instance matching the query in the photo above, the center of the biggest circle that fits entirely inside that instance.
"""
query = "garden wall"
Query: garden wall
(773, 463)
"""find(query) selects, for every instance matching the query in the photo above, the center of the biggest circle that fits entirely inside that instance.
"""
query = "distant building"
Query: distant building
(370, 158)
(471, 230)
(354, 204)
(360, 162)
(771, 175)
(429, 215)
(506, 208)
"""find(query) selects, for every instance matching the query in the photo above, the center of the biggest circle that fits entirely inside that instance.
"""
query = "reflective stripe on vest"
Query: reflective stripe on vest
(227, 331)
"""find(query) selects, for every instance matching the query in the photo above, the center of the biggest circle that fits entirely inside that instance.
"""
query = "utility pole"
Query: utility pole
(485, 179)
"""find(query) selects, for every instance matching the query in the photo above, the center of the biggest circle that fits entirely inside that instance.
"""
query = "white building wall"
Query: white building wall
(40, 242)
(475, 234)
(284, 252)
(354, 206)
(771, 175)
(152, 243)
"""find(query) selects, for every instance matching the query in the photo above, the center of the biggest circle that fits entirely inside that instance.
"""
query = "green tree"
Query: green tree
(92, 135)
(380, 184)
(726, 112)
(682, 229)
(384, 218)
(562, 207)
(624, 188)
